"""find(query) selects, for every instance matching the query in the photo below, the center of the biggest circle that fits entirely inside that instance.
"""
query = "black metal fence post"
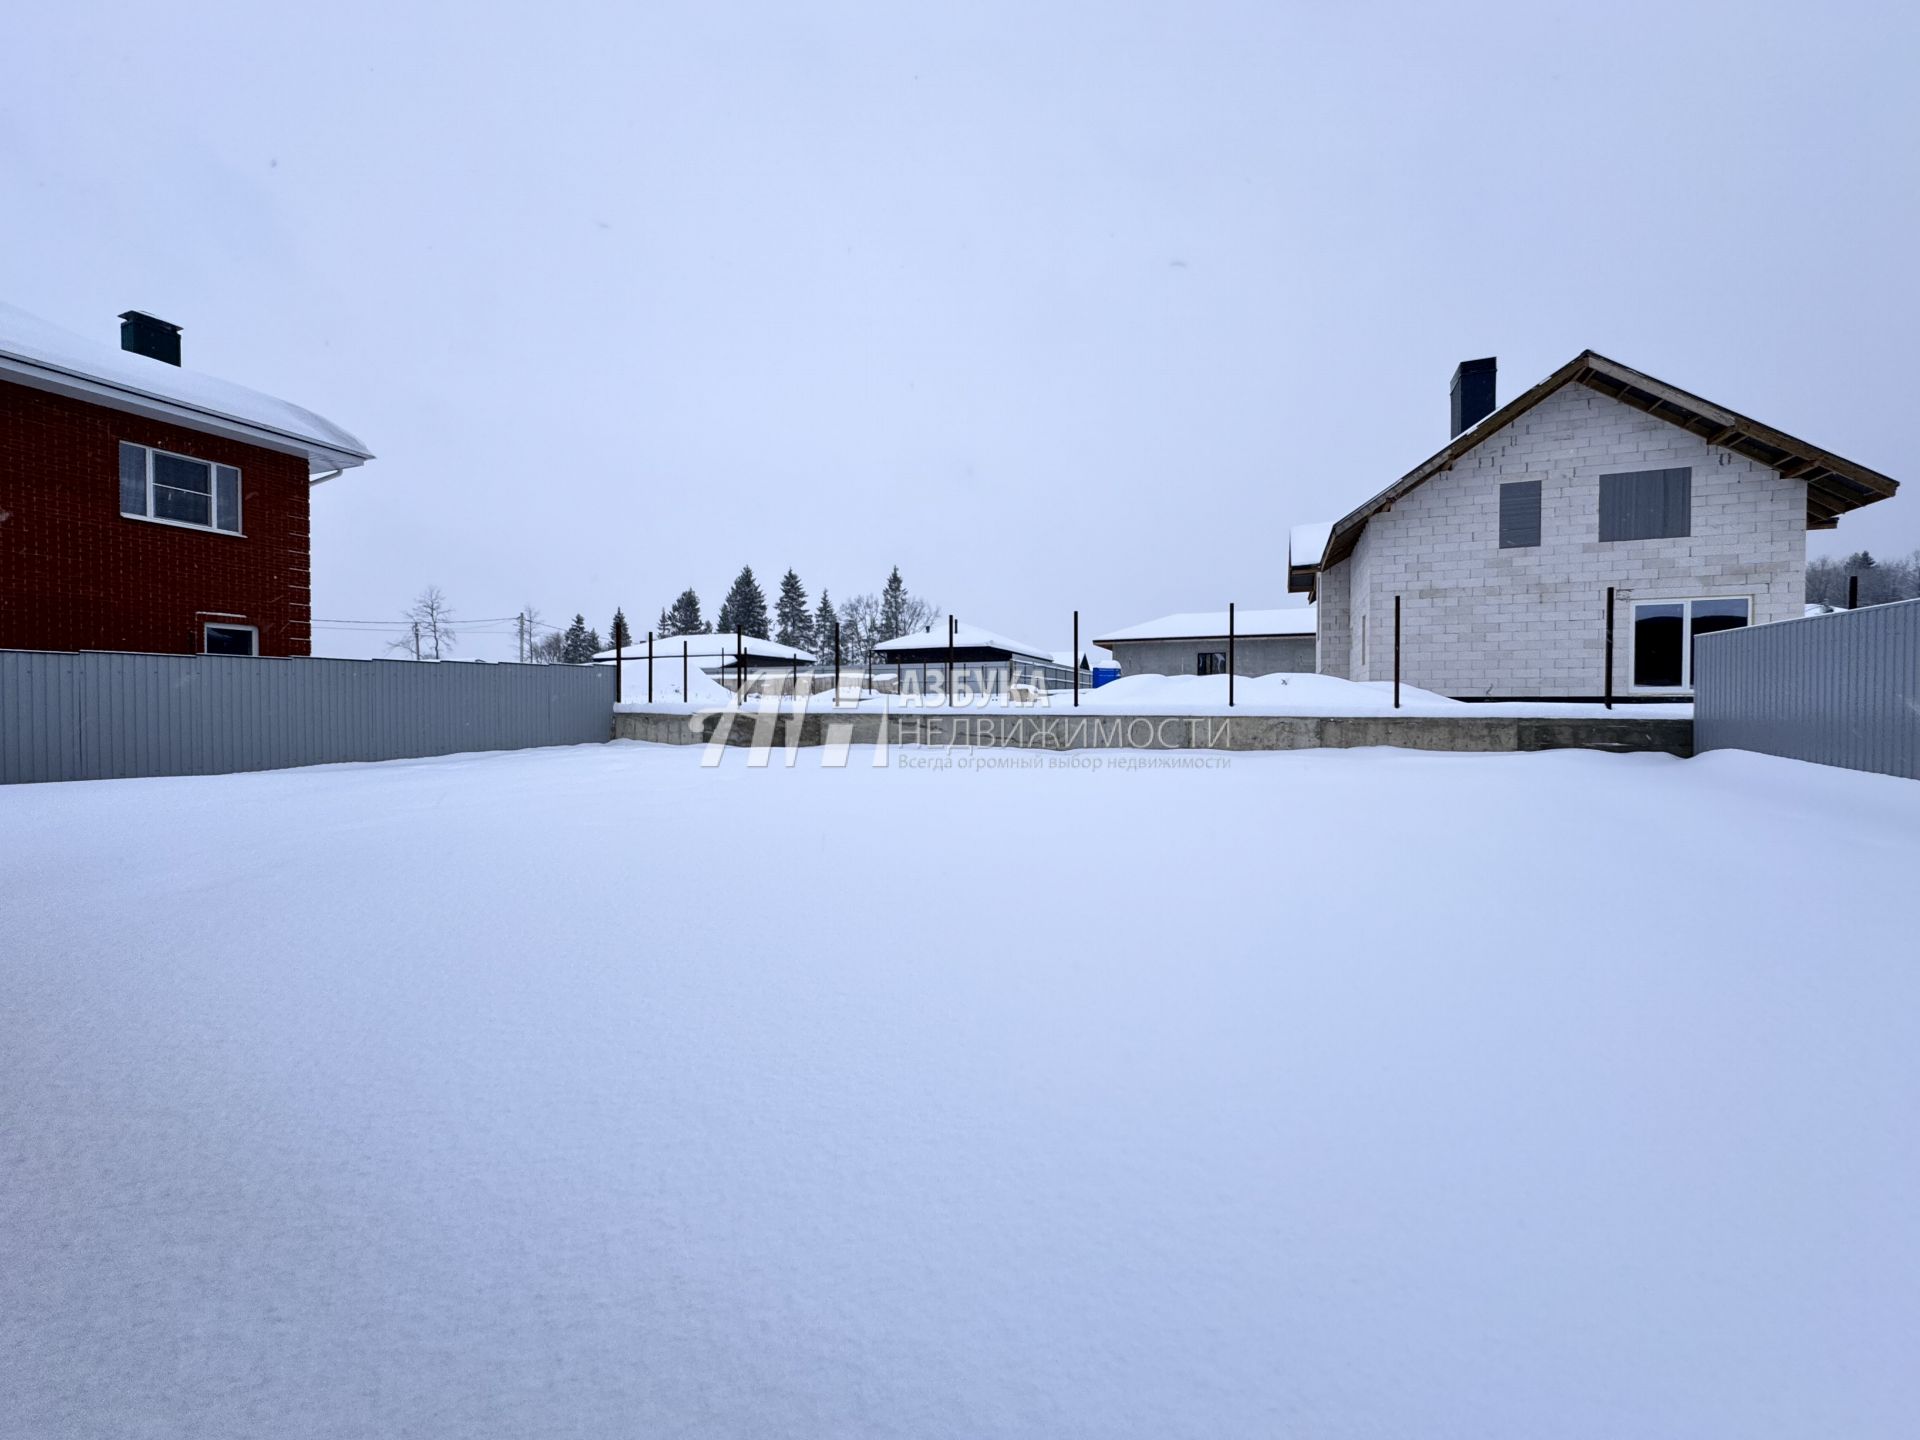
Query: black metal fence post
(836, 662)
(1230, 654)
(1853, 592)
(1396, 652)
(649, 667)
(619, 679)
(946, 696)
(1607, 690)
(684, 695)
(1076, 657)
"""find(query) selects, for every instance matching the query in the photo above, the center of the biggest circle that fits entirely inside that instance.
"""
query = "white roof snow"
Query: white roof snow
(964, 637)
(720, 646)
(37, 353)
(1212, 624)
(1094, 656)
(1307, 543)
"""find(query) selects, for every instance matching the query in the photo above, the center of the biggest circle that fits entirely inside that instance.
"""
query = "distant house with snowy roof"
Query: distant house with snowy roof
(717, 653)
(147, 507)
(1264, 642)
(980, 659)
(1505, 545)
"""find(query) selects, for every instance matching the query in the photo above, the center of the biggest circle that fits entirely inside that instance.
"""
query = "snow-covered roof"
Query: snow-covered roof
(723, 645)
(37, 353)
(1092, 654)
(965, 637)
(1212, 625)
(1307, 543)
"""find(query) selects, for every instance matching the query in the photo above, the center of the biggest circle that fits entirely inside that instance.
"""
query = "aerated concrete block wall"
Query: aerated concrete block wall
(1271, 655)
(1479, 620)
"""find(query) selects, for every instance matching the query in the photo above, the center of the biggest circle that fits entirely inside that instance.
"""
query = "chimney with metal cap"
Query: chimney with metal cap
(149, 335)
(1472, 393)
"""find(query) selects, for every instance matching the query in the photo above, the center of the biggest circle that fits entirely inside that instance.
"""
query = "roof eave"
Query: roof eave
(1215, 635)
(320, 456)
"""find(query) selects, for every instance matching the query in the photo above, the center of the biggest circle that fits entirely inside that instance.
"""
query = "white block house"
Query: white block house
(1502, 546)
(1263, 642)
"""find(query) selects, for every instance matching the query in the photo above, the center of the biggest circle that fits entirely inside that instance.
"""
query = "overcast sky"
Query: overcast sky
(1053, 306)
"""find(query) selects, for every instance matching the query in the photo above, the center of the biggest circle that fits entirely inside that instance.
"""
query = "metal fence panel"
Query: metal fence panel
(1840, 689)
(97, 715)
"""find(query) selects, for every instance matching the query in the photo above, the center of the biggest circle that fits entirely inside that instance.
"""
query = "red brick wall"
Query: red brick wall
(75, 574)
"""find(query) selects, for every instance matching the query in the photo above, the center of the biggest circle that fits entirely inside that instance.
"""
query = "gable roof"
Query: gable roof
(1834, 485)
(1212, 625)
(38, 353)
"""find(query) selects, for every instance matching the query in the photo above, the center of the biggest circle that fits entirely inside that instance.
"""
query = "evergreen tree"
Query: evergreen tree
(745, 608)
(683, 616)
(795, 620)
(893, 609)
(578, 646)
(825, 622)
(621, 635)
(663, 627)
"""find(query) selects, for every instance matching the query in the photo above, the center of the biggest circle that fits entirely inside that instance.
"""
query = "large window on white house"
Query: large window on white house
(1519, 514)
(1647, 504)
(1664, 632)
(178, 490)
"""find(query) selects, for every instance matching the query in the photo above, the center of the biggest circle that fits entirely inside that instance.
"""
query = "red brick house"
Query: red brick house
(145, 507)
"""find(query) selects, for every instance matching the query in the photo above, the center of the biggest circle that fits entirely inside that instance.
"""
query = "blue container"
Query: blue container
(1103, 673)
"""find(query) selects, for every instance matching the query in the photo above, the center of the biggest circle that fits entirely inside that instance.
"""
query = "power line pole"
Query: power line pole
(416, 639)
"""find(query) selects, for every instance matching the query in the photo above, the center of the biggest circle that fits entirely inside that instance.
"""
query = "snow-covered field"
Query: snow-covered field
(1357, 1093)
(1317, 695)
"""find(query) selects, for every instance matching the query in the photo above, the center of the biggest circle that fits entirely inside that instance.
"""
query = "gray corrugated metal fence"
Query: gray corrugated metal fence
(97, 716)
(1840, 689)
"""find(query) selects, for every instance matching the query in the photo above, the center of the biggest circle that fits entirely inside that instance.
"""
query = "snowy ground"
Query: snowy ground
(1357, 1093)
(1317, 695)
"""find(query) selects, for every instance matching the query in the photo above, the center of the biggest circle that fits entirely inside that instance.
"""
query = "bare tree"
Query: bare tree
(918, 614)
(859, 620)
(429, 622)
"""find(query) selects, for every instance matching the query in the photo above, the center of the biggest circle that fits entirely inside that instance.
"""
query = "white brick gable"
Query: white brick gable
(1480, 620)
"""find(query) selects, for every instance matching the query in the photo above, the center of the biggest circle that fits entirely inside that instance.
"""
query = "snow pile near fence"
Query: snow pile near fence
(703, 691)
(1328, 1094)
(1263, 695)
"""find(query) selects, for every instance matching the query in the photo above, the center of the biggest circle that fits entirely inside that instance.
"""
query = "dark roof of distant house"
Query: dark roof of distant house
(1834, 485)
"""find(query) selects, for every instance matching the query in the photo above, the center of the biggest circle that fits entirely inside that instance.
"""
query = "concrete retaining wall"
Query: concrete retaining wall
(1057, 731)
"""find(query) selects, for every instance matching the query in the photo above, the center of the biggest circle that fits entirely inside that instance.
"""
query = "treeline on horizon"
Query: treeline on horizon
(861, 621)
(1881, 581)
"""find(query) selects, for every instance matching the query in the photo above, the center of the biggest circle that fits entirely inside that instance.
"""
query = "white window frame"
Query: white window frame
(1686, 602)
(206, 625)
(213, 496)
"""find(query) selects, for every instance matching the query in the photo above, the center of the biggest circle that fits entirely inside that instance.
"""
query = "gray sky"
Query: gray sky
(1050, 305)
